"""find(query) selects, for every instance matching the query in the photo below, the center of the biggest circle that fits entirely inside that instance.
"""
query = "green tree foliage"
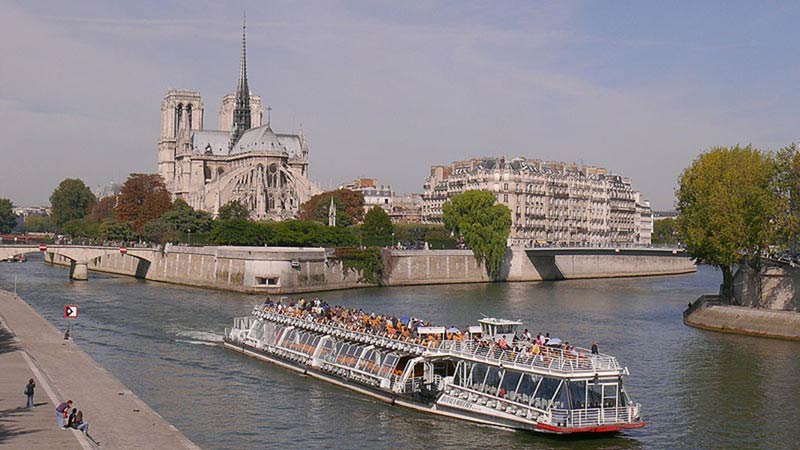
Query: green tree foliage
(177, 224)
(368, 262)
(729, 208)
(484, 225)
(787, 182)
(35, 223)
(81, 228)
(71, 200)
(436, 236)
(234, 209)
(8, 220)
(349, 207)
(117, 231)
(143, 198)
(291, 233)
(665, 232)
(377, 228)
(103, 210)
(183, 218)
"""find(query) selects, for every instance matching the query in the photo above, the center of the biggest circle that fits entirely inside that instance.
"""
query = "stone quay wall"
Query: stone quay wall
(277, 270)
(271, 270)
(709, 313)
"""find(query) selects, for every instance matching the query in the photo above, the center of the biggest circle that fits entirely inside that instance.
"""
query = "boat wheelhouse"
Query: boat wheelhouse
(553, 389)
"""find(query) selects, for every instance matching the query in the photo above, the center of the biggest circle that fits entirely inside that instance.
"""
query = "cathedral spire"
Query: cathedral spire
(241, 112)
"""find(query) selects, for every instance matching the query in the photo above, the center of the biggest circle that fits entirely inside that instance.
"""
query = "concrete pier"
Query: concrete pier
(710, 313)
(31, 347)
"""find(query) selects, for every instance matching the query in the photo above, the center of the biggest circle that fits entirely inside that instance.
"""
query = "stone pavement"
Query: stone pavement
(31, 347)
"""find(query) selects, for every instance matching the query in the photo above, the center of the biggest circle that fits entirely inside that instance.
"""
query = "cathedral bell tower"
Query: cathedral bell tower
(241, 112)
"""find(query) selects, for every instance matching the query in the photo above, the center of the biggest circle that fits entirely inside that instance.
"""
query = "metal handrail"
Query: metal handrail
(549, 359)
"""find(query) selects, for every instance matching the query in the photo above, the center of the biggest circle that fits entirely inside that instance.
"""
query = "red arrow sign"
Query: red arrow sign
(71, 311)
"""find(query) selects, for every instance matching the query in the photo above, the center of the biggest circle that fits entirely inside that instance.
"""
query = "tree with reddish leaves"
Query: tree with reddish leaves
(349, 207)
(103, 210)
(143, 198)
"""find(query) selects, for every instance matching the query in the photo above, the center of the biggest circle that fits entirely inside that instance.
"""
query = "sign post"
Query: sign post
(70, 312)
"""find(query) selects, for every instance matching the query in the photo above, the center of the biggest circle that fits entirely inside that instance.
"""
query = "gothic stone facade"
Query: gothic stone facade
(244, 160)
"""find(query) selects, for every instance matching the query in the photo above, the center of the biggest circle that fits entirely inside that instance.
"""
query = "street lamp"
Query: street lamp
(189, 237)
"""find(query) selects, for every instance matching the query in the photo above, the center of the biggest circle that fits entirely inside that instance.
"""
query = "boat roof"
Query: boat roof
(493, 321)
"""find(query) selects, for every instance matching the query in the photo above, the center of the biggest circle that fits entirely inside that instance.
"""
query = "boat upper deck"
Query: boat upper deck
(522, 355)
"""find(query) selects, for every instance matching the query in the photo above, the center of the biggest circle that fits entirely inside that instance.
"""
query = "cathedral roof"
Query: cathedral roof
(215, 141)
(263, 139)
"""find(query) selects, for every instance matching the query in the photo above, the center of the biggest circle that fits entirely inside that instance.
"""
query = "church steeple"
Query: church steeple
(241, 112)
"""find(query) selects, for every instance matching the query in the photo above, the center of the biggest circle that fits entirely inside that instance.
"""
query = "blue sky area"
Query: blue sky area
(386, 89)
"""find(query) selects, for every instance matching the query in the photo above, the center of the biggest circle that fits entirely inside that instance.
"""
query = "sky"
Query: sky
(387, 89)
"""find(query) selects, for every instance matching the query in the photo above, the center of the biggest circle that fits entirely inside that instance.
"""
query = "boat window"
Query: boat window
(545, 392)
(594, 396)
(478, 375)
(577, 394)
(509, 383)
(457, 377)
(561, 399)
(493, 380)
(327, 348)
(624, 400)
(389, 363)
(609, 395)
(527, 386)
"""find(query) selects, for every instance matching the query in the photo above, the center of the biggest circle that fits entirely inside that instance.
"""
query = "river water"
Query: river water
(698, 389)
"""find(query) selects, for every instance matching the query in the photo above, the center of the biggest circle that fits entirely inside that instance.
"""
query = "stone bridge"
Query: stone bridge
(78, 255)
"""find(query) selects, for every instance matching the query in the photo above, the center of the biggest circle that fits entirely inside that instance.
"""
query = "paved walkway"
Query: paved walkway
(31, 347)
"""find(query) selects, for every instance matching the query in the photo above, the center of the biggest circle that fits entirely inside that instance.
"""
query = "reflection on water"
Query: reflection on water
(697, 388)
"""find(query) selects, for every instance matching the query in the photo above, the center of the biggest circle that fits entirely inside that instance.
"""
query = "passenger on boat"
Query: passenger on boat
(595, 348)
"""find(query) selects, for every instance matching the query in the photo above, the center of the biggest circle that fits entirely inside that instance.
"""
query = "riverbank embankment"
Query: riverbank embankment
(31, 347)
(710, 313)
(287, 270)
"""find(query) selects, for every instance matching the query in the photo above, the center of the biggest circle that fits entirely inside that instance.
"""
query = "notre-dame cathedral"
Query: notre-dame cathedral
(244, 160)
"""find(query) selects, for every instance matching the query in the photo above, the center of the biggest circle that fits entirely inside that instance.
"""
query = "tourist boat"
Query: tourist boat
(465, 375)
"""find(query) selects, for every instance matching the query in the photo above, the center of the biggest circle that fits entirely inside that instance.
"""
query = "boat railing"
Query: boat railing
(589, 417)
(549, 359)
(471, 396)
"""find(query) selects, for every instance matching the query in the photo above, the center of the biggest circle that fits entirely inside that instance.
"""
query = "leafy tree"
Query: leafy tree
(71, 200)
(377, 228)
(143, 198)
(161, 232)
(103, 210)
(234, 209)
(787, 183)
(35, 223)
(484, 225)
(8, 220)
(729, 208)
(81, 228)
(183, 218)
(235, 232)
(417, 233)
(349, 207)
(117, 231)
(664, 232)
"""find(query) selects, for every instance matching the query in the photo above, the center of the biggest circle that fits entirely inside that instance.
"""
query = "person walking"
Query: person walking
(29, 393)
(64, 406)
